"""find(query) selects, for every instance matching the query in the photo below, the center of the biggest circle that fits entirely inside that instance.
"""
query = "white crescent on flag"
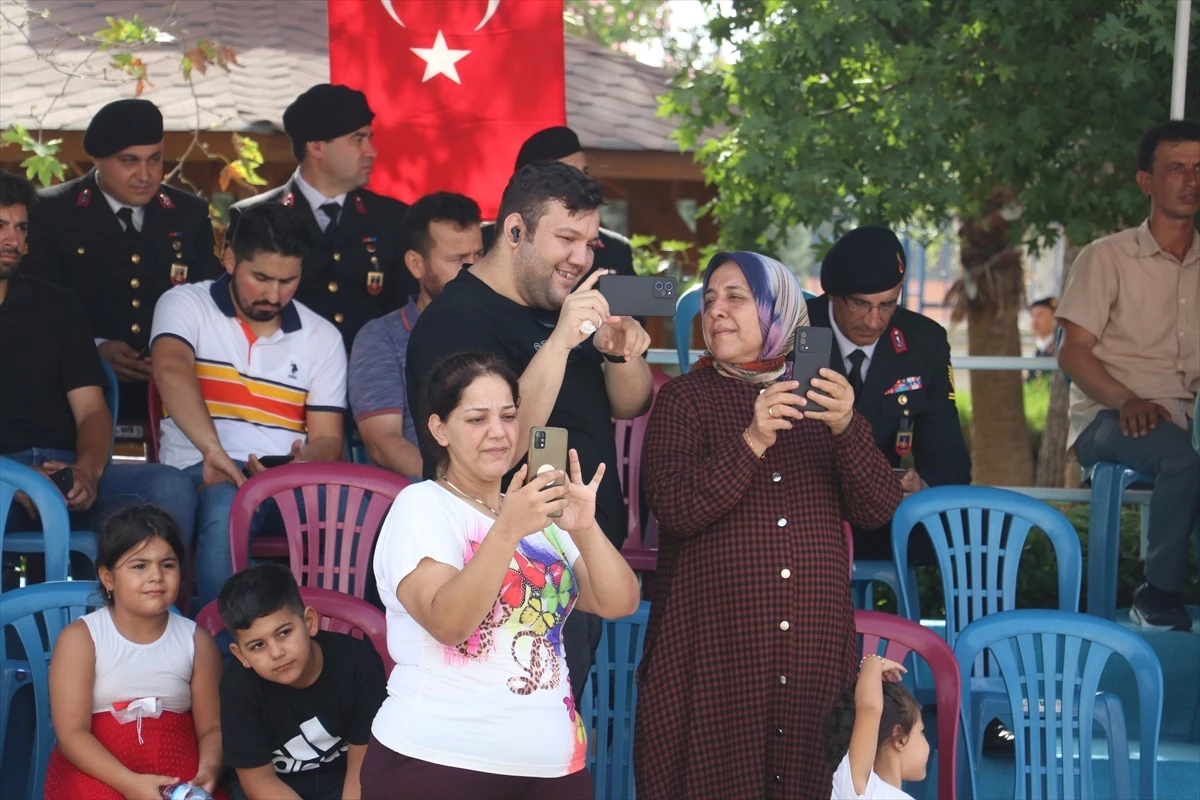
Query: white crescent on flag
(487, 15)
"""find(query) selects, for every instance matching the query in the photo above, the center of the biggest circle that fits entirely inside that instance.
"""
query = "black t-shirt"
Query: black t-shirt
(470, 315)
(46, 350)
(303, 730)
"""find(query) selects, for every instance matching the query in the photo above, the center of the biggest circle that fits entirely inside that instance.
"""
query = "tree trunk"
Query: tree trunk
(1052, 455)
(989, 295)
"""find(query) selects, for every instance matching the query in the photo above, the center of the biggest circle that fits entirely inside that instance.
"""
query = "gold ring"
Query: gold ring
(770, 411)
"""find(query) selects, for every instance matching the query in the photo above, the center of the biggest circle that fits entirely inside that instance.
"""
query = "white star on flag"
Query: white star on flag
(440, 60)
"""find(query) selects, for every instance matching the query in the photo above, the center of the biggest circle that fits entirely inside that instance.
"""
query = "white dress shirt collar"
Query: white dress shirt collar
(316, 199)
(139, 212)
(847, 347)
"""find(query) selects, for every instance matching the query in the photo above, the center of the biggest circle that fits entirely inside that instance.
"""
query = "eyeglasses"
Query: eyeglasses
(860, 308)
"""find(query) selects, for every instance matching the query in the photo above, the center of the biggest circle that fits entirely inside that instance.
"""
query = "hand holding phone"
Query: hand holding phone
(64, 479)
(266, 462)
(547, 453)
(639, 296)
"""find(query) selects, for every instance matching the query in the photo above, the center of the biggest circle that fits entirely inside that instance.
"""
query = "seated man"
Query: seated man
(245, 371)
(52, 411)
(441, 236)
(296, 710)
(1130, 315)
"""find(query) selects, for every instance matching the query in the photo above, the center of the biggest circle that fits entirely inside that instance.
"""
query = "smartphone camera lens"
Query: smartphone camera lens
(658, 287)
(670, 286)
(539, 440)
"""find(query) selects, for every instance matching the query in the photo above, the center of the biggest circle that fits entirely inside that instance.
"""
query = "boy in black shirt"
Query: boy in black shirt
(296, 712)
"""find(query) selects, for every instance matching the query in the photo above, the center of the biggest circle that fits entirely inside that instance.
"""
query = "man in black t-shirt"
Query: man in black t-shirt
(296, 709)
(579, 366)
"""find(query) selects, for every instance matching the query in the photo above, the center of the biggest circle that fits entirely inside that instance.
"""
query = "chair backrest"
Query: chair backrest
(687, 307)
(331, 513)
(899, 637)
(339, 612)
(51, 506)
(155, 406)
(34, 616)
(978, 534)
(1049, 664)
(631, 436)
(610, 702)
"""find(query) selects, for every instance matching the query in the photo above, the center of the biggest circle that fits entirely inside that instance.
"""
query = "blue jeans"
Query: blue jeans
(121, 485)
(1166, 454)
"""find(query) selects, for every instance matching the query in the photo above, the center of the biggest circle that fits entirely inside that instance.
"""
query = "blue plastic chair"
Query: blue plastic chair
(37, 615)
(867, 573)
(687, 307)
(609, 703)
(56, 539)
(1050, 664)
(1109, 481)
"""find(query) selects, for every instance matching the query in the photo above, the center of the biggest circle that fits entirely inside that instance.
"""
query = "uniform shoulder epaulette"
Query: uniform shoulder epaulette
(288, 200)
(84, 199)
(359, 205)
(898, 343)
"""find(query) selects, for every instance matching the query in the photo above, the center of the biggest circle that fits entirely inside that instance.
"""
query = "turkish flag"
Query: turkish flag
(456, 86)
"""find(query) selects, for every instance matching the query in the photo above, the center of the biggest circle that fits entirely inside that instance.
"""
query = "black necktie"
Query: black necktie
(857, 357)
(331, 210)
(125, 214)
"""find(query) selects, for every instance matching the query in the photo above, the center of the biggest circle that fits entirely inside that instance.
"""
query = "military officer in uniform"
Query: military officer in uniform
(612, 251)
(118, 237)
(898, 363)
(355, 271)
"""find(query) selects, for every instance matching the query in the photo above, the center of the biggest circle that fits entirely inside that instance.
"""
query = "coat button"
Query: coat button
(135, 258)
(783, 626)
(80, 250)
(374, 260)
(776, 477)
(785, 573)
(337, 256)
(779, 731)
(332, 287)
(135, 328)
(338, 318)
(783, 680)
(134, 283)
(779, 779)
(782, 522)
(136, 303)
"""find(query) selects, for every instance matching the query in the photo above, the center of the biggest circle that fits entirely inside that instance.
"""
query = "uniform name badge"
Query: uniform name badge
(178, 274)
(904, 438)
(374, 283)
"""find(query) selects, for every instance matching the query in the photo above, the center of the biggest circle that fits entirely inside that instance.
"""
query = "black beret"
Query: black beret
(324, 112)
(866, 260)
(121, 124)
(550, 144)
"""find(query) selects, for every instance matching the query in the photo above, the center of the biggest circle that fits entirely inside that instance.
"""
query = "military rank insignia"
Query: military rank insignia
(359, 205)
(898, 343)
(950, 371)
(84, 199)
(374, 283)
(165, 201)
(179, 274)
(288, 200)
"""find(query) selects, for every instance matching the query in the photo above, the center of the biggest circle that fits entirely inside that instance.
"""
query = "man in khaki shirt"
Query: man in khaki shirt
(1130, 315)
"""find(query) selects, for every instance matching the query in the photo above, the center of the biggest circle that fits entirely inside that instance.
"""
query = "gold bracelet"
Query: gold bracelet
(750, 444)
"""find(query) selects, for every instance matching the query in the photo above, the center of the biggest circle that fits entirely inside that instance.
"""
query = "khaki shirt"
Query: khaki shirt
(1143, 307)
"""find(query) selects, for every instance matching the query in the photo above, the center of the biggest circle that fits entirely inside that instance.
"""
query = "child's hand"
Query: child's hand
(207, 778)
(892, 670)
(148, 787)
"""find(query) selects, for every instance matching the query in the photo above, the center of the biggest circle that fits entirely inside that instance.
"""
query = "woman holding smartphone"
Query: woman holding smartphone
(751, 635)
(477, 585)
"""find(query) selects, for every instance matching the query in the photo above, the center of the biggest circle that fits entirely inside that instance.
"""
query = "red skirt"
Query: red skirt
(168, 747)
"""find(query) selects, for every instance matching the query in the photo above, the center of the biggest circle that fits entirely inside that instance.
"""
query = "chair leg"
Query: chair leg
(1104, 532)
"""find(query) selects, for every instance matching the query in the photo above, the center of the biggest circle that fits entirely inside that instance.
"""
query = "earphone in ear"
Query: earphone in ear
(516, 234)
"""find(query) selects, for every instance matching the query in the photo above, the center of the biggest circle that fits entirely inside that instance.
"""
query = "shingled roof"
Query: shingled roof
(283, 48)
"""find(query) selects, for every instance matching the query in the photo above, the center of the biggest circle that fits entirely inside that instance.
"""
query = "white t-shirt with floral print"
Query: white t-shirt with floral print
(500, 702)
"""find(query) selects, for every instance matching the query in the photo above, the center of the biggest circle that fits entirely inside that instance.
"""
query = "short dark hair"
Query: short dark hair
(436, 207)
(534, 186)
(1177, 130)
(444, 387)
(900, 714)
(16, 191)
(129, 527)
(270, 228)
(258, 591)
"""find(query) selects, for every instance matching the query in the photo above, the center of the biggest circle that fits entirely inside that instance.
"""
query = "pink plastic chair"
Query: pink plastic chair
(641, 546)
(326, 543)
(902, 637)
(339, 613)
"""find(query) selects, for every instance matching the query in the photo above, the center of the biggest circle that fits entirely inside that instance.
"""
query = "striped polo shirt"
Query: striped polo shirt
(257, 389)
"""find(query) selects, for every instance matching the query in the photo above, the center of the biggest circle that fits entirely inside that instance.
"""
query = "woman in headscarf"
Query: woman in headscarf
(751, 634)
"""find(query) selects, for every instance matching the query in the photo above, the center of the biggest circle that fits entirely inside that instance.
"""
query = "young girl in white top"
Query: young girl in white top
(876, 735)
(133, 687)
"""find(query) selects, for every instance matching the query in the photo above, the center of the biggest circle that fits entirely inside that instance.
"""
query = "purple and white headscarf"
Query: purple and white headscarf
(781, 309)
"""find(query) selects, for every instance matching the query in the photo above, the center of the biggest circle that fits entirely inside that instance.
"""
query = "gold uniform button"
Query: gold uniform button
(903, 400)
(178, 254)
(135, 258)
(134, 283)
(337, 256)
(333, 287)
(136, 303)
(374, 259)
(135, 328)
(80, 250)
(338, 318)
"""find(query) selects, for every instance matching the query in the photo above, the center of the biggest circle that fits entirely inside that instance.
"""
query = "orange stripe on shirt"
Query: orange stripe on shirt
(238, 394)
(253, 416)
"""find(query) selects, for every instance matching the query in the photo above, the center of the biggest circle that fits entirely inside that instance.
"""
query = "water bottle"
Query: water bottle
(184, 791)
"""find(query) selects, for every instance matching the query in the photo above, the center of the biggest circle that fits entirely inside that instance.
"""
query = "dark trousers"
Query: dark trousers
(387, 774)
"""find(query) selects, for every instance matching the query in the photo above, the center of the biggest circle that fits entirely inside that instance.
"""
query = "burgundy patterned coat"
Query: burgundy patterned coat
(751, 633)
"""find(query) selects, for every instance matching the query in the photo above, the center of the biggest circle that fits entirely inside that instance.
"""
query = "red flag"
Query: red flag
(456, 86)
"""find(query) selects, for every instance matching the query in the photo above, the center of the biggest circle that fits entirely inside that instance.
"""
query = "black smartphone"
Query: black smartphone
(900, 471)
(64, 479)
(268, 462)
(810, 352)
(547, 451)
(638, 296)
